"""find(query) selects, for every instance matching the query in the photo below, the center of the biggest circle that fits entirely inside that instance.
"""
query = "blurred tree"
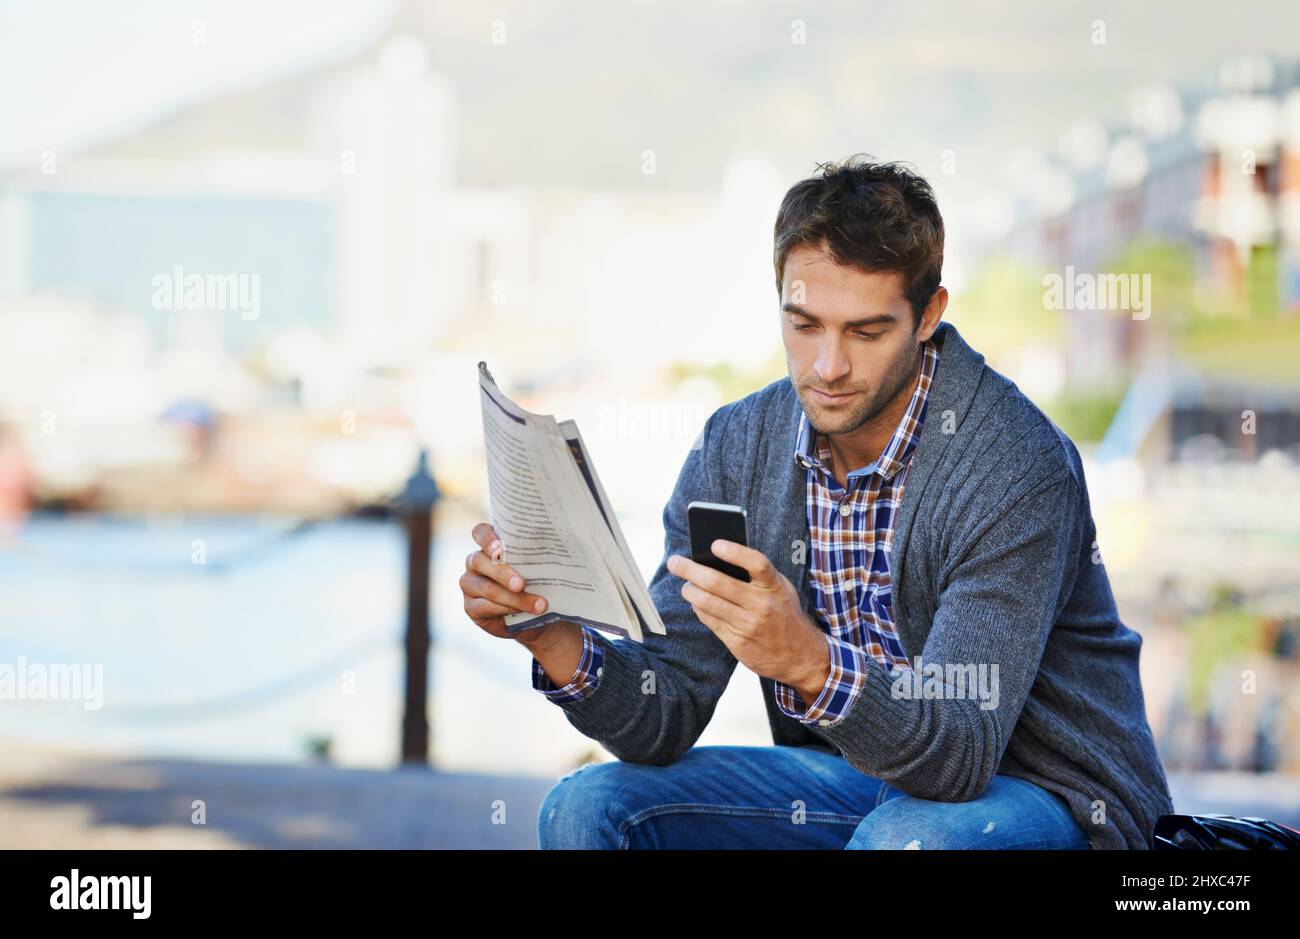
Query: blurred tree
(733, 383)
(1263, 283)
(1084, 416)
(1224, 332)
(319, 747)
(1226, 630)
(1002, 312)
(1172, 267)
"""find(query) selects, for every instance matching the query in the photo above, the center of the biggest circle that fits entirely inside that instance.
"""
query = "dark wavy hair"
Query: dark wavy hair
(873, 216)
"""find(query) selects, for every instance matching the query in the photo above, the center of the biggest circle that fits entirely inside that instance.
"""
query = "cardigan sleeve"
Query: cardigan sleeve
(939, 733)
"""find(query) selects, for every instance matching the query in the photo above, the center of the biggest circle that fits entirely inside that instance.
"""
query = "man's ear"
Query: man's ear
(933, 314)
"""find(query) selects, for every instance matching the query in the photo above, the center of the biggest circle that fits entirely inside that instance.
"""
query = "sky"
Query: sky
(583, 87)
(76, 72)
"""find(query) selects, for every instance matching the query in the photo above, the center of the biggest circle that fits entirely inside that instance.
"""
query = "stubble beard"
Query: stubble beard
(901, 373)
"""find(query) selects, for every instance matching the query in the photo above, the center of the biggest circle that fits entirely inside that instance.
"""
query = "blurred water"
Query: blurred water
(282, 633)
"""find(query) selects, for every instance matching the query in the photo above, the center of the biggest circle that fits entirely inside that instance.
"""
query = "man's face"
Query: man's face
(848, 339)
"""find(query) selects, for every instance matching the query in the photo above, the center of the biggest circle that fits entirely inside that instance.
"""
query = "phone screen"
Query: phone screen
(709, 521)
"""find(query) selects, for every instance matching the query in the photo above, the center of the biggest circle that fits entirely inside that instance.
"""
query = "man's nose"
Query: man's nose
(832, 361)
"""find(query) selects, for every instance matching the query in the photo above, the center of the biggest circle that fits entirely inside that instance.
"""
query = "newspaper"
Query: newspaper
(555, 522)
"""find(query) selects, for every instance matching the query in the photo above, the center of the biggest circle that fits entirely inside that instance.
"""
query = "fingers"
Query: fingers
(715, 582)
(476, 585)
(756, 562)
(493, 589)
(715, 607)
(481, 609)
(479, 563)
(716, 626)
(485, 536)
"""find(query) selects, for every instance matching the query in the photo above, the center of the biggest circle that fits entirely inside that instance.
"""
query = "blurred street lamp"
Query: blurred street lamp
(414, 506)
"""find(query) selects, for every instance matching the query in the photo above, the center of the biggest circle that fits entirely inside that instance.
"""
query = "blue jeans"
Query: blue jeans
(732, 797)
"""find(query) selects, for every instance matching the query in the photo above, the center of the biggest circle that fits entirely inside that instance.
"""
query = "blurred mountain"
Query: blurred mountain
(572, 92)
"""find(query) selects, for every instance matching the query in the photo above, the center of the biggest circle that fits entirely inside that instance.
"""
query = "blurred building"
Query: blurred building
(1213, 168)
(338, 188)
(378, 278)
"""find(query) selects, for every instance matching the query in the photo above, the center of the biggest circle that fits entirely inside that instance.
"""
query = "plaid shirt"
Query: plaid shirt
(585, 677)
(851, 534)
(849, 556)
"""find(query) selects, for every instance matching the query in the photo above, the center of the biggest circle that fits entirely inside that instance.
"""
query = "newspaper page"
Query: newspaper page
(556, 528)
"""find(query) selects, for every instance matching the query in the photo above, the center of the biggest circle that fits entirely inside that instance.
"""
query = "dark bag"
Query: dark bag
(1222, 833)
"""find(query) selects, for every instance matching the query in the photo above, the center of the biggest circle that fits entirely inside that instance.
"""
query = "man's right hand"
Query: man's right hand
(493, 590)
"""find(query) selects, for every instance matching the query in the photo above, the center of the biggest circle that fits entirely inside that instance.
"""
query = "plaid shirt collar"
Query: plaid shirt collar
(812, 452)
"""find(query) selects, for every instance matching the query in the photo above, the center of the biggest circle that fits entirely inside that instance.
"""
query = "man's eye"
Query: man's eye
(801, 327)
(870, 335)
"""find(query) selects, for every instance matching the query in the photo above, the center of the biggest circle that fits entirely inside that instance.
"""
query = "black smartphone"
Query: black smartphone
(709, 521)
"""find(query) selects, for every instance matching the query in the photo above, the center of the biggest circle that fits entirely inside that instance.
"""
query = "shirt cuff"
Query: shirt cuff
(847, 677)
(585, 678)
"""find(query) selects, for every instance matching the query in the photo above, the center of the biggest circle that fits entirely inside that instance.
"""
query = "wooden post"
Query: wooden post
(415, 507)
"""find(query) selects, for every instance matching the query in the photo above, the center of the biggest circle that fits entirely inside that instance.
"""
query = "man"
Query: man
(939, 650)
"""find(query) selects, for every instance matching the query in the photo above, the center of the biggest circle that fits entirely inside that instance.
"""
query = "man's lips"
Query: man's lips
(830, 398)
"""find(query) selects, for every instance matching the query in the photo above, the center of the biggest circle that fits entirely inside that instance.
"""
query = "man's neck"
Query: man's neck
(863, 446)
